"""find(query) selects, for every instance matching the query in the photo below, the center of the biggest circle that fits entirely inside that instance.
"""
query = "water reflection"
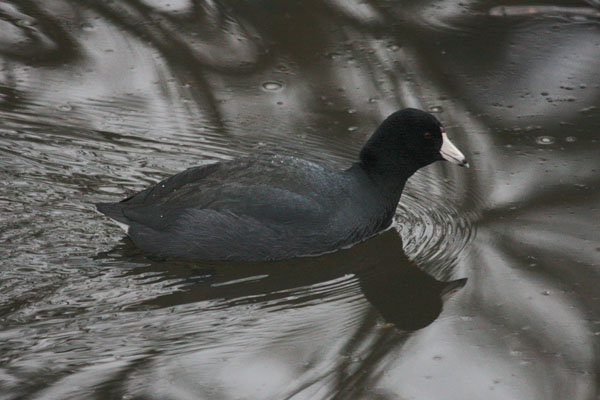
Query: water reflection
(31, 35)
(402, 294)
(102, 97)
(279, 329)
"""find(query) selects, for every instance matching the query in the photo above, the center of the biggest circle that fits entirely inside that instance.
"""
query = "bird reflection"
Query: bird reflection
(397, 288)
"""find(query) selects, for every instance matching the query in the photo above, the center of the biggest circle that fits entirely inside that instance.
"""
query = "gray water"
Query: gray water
(99, 99)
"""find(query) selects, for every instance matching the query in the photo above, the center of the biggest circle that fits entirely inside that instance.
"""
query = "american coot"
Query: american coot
(267, 208)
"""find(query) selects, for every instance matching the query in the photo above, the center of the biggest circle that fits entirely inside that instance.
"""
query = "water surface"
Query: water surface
(100, 99)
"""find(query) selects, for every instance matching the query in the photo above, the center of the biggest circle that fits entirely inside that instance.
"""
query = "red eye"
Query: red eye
(427, 135)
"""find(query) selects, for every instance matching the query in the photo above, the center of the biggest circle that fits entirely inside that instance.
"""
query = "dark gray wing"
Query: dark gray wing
(157, 192)
(265, 190)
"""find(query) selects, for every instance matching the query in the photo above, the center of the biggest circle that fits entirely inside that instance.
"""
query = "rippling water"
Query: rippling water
(100, 99)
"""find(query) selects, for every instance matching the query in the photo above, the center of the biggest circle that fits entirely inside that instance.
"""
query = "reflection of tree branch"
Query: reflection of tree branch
(593, 3)
(115, 388)
(349, 377)
(556, 195)
(524, 11)
(513, 252)
(174, 47)
(10, 96)
(520, 324)
(38, 53)
(341, 372)
(352, 385)
(176, 53)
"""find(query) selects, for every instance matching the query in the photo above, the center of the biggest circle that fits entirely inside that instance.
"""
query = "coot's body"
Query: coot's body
(255, 208)
(264, 208)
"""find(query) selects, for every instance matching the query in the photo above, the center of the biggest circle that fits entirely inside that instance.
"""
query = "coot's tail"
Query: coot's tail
(113, 210)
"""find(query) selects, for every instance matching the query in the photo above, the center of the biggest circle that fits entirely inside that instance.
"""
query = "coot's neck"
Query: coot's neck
(387, 161)
(388, 182)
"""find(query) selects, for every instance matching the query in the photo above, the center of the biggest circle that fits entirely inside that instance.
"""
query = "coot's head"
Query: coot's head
(409, 139)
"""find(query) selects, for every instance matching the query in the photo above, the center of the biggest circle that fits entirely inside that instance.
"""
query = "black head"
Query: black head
(407, 140)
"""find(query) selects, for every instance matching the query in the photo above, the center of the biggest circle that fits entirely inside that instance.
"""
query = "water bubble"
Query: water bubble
(25, 23)
(88, 27)
(65, 107)
(272, 86)
(531, 128)
(587, 109)
(436, 109)
(570, 139)
(545, 140)
(578, 18)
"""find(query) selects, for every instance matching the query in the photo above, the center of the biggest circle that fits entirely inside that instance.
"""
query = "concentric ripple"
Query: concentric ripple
(434, 228)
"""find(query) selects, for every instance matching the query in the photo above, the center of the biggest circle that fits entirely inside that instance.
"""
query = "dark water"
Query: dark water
(100, 98)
